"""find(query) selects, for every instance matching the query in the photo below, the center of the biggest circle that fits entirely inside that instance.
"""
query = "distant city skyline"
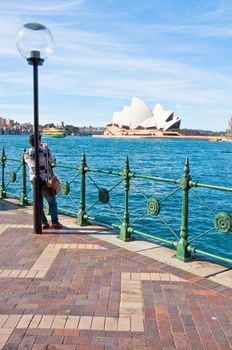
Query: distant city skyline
(177, 53)
(12, 127)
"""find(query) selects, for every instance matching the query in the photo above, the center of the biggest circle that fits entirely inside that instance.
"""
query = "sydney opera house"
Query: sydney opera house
(139, 120)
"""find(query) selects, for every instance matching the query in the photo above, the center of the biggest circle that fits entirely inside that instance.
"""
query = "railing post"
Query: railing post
(23, 200)
(125, 234)
(3, 164)
(82, 219)
(182, 252)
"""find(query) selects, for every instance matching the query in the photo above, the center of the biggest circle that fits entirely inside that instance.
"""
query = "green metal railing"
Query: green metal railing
(124, 182)
(10, 176)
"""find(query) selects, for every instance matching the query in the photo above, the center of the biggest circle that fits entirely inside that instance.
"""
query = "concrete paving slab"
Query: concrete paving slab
(165, 255)
(83, 288)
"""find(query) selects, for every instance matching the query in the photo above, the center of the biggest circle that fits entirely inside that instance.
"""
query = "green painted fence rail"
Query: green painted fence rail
(182, 243)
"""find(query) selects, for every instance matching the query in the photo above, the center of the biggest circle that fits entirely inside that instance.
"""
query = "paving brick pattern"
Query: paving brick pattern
(69, 290)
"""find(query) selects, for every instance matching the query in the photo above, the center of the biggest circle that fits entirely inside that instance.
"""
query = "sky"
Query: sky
(174, 52)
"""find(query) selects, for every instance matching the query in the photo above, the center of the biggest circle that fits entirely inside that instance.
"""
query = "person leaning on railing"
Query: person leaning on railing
(46, 158)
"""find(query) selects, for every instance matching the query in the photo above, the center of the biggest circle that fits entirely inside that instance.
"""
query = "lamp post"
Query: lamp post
(35, 43)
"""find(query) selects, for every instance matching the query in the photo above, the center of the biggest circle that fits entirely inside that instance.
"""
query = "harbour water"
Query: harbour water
(210, 162)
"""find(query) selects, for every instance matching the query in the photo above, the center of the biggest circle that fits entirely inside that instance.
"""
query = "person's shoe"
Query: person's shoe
(45, 226)
(57, 226)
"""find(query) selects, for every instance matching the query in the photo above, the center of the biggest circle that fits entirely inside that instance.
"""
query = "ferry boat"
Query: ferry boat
(57, 132)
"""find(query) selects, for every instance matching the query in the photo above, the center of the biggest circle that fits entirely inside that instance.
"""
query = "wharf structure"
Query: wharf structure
(85, 289)
(88, 288)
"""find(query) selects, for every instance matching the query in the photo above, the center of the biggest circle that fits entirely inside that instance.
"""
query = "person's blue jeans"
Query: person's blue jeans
(51, 199)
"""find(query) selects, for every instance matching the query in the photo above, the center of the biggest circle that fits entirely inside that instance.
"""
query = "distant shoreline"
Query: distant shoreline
(182, 137)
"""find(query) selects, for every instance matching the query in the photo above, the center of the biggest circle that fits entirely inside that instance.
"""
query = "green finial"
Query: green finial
(186, 167)
(23, 160)
(126, 164)
(83, 157)
(184, 180)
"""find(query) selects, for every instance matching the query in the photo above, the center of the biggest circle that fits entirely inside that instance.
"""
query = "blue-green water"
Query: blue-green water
(210, 162)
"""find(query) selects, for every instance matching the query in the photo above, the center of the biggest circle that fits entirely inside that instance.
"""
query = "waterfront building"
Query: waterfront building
(11, 127)
(10, 122)
(229, 130)
(2, 122)
(139, 120)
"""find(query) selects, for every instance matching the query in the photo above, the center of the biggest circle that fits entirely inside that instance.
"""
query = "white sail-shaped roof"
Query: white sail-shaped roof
(116, 117)
(132, 116)
(149, 123)
(161, 116)
(140, 114)
(171, 124)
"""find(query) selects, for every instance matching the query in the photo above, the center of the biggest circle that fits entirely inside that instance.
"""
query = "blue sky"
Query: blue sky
(175, 52)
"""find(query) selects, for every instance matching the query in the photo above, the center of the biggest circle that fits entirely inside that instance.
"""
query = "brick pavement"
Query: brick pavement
(69, 290)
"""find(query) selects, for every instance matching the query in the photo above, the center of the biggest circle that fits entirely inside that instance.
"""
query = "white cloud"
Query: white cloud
(16, 107)
(38, 7)
(112, 63)
(216, 10)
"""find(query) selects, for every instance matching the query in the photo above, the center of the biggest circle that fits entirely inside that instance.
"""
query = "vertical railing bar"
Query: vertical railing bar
(23, 197)
(3, 164)
(81, 215)
(125, 234)
(182, 252)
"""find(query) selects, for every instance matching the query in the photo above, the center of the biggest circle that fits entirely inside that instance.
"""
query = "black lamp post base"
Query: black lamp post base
(37, 205)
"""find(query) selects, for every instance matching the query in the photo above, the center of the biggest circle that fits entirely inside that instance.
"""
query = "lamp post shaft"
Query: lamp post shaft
(36, 181)
(35, 43)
